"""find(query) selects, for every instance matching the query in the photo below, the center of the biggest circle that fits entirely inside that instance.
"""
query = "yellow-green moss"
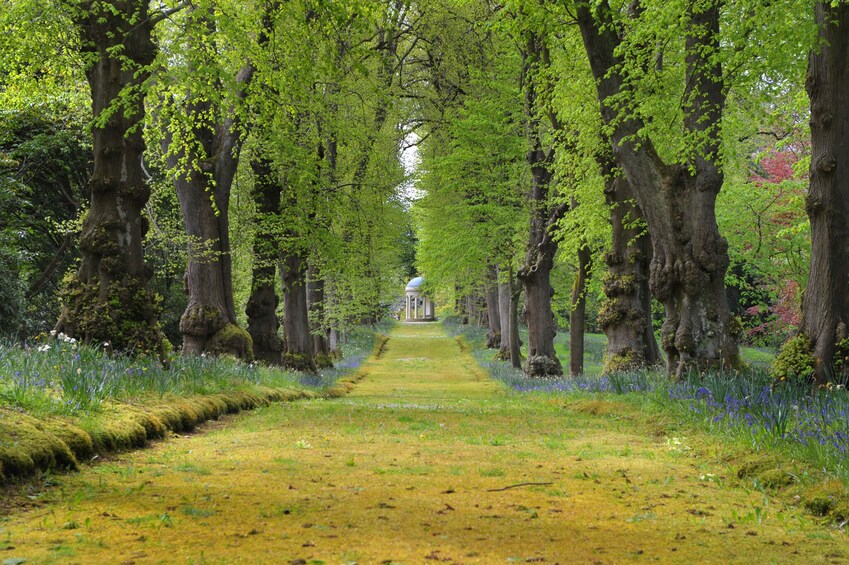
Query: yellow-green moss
(625, 359)
(795, 360)
(827, 499)
(26, 447)
(232, 340)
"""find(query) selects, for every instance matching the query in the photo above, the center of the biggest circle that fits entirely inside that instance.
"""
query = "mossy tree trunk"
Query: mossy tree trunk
(263, 325)
(209, 322)
(825, 307)
(578, 312)
(108, 299)
(316, 297)
(493, 336)
(625, 316)
(299, 353)
(535, 273)
(690, 256)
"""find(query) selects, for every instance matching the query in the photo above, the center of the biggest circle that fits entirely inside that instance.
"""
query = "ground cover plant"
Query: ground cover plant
(785, 417)
(62, 402)
(62, 377)
(426, 460)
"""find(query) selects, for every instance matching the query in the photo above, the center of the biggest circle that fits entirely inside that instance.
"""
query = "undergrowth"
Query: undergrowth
(58, 376)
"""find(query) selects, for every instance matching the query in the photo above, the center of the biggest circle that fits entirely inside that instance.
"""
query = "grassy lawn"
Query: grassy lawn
(61, 403)
(427, 460)
(595, 347)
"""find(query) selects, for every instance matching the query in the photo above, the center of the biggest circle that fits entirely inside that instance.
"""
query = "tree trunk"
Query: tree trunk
(263, 325)
(690, 257)
(825, 307)
(333, 329)
(578, 313)
(504, 314)
(300, 352)
(493, 336)
(515, 342)
(535, 274)
(108, 299)
(209, 322)
(626, 314)
(318, 327)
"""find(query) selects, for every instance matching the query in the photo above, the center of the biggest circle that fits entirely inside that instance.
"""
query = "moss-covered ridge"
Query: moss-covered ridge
(29, 445)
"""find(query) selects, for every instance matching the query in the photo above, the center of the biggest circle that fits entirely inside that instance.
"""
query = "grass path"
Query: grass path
(427, 461)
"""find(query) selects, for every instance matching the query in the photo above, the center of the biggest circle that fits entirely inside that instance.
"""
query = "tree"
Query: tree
(690, 257)
(45, 166)
(261, 309)
(626, 314)
(202, 150)
(108, 299)
(825, 307)
(546, 212)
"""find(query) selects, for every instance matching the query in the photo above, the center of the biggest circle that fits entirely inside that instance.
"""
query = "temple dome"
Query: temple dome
(415, 284)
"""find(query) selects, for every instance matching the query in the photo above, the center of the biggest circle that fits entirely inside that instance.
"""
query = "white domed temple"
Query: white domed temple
(418, 306)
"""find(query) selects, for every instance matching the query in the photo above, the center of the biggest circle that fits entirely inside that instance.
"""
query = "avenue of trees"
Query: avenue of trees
(232, 177)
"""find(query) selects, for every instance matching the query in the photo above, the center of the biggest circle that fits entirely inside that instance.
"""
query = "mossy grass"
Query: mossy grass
(428, 459)
(60, 403)
(786, 437)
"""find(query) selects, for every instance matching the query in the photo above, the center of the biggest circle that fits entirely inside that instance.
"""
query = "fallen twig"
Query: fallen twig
(517, 486)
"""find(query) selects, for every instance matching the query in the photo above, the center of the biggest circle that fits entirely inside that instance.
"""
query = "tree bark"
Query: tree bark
(504, 314)
(109, 299)
(209, 322)
(515, 342)
(535, 273)
(690, 257)
(626, 314)
(263, 324)
(825, 306)
(578, 313)
(299, 353)
(493, 336)
(318, 326)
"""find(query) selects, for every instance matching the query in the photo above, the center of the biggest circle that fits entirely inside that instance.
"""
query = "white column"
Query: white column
(416, 310)
(407, 307)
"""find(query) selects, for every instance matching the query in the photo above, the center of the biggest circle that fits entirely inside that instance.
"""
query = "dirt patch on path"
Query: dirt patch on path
(423, 463)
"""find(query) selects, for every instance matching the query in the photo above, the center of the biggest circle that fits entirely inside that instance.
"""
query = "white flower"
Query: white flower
(43, 348)
(53, 333)
(106, 344)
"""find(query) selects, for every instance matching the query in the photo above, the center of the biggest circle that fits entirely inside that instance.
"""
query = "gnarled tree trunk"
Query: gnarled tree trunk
(625, 316)
(690, 257)
(825, 307)
(261, 309)
(108, 300)
(209, 323)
